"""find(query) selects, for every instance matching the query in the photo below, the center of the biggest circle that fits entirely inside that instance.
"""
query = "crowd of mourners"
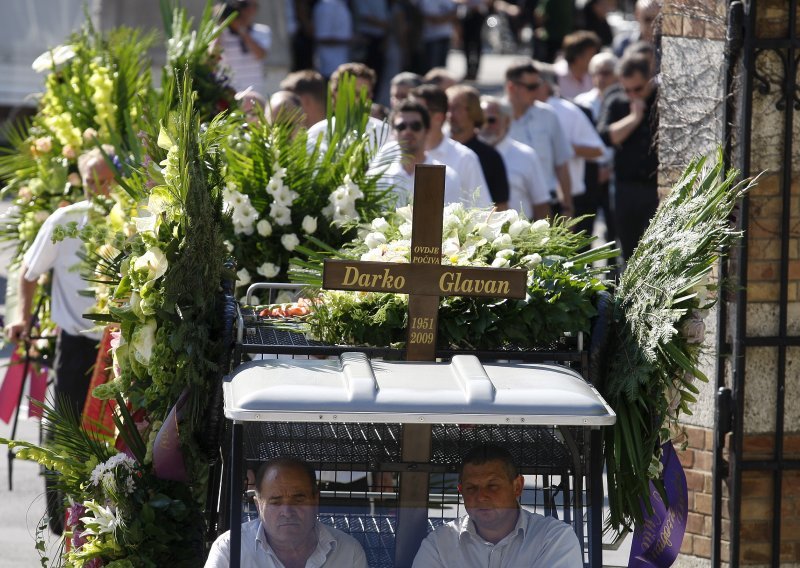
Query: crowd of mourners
(572, 133)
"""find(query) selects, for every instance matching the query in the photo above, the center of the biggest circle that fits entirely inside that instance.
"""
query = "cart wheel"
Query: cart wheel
(598, 343)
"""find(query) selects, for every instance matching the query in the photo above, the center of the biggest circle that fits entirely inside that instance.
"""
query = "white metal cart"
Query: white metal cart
(416, 420)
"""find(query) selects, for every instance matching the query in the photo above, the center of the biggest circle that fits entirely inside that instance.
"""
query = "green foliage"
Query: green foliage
(660, 297)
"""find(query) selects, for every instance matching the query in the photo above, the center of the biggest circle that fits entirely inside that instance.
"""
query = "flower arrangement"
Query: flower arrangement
(562, 282)
(658, 330)
(279, 193)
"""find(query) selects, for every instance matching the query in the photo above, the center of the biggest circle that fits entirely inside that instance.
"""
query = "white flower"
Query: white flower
(164, 140)
(146, 223)
(502, 242)
(487, 231)
(242, 277)
(228, 246)
(406, 212)
(280, 214)
(531, 260)
(53, 58)
(285, 196)
(517, 227)
(103, 519)
(540, 225)
(380, 224)
(309, 224)
(405, 230)
(264, 228)
(154, 261)
(268, 270)
(143, 341)
(290, 241)
(451, 246)
(506, 253)
(374, 240)
(500, 262)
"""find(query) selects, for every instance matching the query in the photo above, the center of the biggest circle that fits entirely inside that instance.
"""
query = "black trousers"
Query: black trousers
(635, 204)
(472, 26)
(74, 361)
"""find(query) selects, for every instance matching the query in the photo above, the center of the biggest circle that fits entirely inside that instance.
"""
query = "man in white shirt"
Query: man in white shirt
(526, 181)
(410, 122)
(536, 124)
(446, 150)
(287, 532)
(496, 531)
(333, 33)
(76, 347)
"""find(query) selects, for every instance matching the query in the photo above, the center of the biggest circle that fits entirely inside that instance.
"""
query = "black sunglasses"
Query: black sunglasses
(415, 126)
(529, 86)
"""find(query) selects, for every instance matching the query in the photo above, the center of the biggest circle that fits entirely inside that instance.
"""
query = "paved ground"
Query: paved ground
(21, 510)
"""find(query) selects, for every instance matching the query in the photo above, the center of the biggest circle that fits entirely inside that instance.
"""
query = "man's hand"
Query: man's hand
(17, 331)
(638, 107)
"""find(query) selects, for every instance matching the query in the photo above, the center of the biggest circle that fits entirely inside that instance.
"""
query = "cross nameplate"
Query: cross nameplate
(424, 279)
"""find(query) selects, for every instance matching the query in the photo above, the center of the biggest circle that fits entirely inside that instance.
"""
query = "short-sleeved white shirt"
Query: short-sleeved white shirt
(335, 549)
(526, 181)
(402, 184)
(68, 305)
(466, 163)
(540, 129)
(580, 132)
(535, 542)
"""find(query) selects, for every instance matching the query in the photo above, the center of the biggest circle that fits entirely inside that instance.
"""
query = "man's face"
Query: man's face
(458, 116)
(98, 177)
(410, 131)
(646, 19)
(398, 93)
(365, 86)
(495, 125)
(525, 90)
(604, 77)
(637, 86)
(287, 505)
(490, 497)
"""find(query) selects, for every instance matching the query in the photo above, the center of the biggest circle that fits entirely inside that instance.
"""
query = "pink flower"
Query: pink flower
(74, 514)
(93, 563)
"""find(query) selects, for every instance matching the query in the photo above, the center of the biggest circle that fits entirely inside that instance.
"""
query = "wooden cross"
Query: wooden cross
(424, 279)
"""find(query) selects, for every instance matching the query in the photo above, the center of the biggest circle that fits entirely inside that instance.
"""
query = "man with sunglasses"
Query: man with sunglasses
(629, 122)
(410, 123)
(536, 124)
(496, 531)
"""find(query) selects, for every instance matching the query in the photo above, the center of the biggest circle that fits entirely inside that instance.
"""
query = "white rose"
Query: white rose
(506, 253)
(290, 241)
(540, 225)
(243, 278)
(380, 224)
(309, 224)
(374, 240)
(502, 242)
(531, 260)
(500, 262)
(517, 227)
(264, 228)
(268, 270)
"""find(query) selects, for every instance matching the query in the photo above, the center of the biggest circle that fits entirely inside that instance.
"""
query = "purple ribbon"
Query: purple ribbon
(167, 453)
(657, 542)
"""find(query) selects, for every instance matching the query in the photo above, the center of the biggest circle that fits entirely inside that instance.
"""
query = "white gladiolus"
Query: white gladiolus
(290, 241)
(375, 239)
(154, 261)
(309, 224)
(268, 270)
(264, 228)
(280, 214)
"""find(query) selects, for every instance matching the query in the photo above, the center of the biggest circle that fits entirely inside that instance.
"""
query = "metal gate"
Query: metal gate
(755, 51)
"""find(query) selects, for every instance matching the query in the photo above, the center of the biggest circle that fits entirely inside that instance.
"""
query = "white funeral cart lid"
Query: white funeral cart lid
(353, 388)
